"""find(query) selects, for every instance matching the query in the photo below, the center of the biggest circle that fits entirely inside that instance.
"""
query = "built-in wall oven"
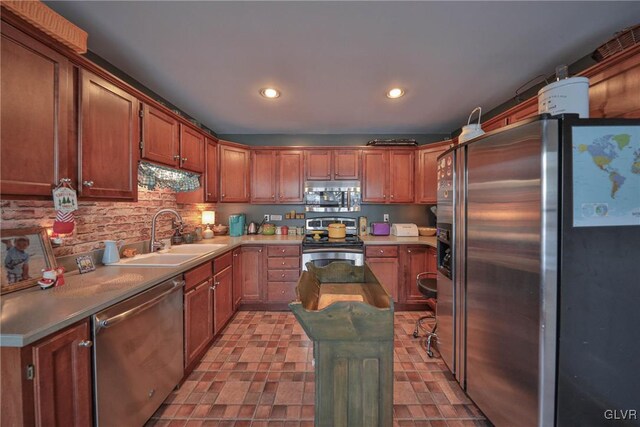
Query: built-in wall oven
(332, 196)
(323, 250)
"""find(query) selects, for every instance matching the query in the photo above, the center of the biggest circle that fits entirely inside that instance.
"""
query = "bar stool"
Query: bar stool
(428, 286)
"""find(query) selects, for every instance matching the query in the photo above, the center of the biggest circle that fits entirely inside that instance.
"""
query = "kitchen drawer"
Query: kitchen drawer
(281, 291)
(283, 275)
(222, 262)
(381, 251)
(289, 250)
(284, 263)
(197, 275)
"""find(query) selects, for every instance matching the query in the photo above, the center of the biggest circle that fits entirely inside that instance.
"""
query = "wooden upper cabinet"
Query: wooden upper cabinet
(211, 174)
(426, 178)
(191, 149)
(318, 164)
(525, 110)
(35, 88)
(615, 86)
(263, 176)
(160, 136)
(62, 388)
(108, 139)
(346, 164)
(234, 174)
(290, 176)
(401, 176)
(374, 177)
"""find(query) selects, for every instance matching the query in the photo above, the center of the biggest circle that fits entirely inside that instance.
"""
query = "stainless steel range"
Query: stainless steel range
(322, 251)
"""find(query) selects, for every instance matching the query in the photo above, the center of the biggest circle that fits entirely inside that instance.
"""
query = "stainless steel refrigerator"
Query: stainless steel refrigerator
(541, 328)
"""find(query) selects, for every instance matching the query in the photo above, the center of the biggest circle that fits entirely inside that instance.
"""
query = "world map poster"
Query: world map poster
(606, 175)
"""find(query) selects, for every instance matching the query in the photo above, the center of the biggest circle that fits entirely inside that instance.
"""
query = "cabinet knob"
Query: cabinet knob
(176, 157)
(384, 196)
(392, 196)
(282, 262)
(282, 274)
(87, 183)
(282, 292)
(283, 251)
(235, 255)
(273, 196)
(184, 159)
(260, 250)
(85, 343)
(208, 194)
(222, 194)
(409, 250)
(381, 251)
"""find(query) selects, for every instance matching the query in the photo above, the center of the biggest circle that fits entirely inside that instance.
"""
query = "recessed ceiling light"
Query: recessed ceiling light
(269, 92)
(396, 92)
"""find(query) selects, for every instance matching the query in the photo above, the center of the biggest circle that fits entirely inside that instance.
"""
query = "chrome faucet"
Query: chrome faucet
(154, 244)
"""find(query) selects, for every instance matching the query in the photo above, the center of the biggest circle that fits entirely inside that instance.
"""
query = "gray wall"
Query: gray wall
(418, 214)
(325, 139)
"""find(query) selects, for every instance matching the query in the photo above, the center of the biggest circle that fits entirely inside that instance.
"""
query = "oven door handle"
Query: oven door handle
(325, 250)
(105, 323)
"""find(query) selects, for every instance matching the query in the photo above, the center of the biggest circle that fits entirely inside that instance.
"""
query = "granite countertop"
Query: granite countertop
(32, 314)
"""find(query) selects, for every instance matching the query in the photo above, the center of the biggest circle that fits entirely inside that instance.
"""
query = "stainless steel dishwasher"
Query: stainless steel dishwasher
(138, 356)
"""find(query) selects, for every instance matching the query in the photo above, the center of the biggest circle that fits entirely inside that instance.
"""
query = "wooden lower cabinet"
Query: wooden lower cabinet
(237, 277)
(222, 299)
(58, 392)
(386, 270)
(198, 320)
(396, 266)
(416, 261)
(283, 272)
(252, 261)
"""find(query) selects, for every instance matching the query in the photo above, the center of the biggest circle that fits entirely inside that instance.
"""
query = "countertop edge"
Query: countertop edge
(162, 274)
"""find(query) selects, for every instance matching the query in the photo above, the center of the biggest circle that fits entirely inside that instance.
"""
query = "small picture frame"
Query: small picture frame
(85, 264)
(25, 253)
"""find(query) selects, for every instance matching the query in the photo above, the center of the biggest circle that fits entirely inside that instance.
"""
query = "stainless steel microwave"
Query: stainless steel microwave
(332, 196)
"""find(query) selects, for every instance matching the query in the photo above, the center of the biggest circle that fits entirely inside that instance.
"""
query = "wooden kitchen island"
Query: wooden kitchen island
(349, 317)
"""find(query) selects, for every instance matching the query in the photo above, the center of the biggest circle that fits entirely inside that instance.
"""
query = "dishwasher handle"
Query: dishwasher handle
(106, 323)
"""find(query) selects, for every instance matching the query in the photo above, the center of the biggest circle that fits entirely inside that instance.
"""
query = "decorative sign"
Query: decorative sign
(65, 199)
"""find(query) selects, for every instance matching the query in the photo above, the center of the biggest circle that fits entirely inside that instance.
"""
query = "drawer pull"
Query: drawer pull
(87, 183)
(282, 274)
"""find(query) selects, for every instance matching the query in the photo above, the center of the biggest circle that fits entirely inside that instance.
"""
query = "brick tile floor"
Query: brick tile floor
(259, 374)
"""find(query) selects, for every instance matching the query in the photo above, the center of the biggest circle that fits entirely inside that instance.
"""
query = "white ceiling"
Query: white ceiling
(333, 61)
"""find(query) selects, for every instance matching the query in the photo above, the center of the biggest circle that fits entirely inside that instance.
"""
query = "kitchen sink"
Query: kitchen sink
(194, 249)
(157, 260)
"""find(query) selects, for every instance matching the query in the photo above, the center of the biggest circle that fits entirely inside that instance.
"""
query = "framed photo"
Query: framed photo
(85, 264)
(24, 252)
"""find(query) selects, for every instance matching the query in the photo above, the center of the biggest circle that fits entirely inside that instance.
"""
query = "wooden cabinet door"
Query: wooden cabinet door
(35, 88)
(234, 174)
(63, 378)
(223, 299)
(386, 270)
(401, 176)
(108, 140)
(211, 173)
(191, 149)
(525, 110)
(237, 277)
(374, 176)
(432, 260)
(290, 176)
(252, 264)
(346, 164)
(318, 164)
(263, 176)
(427, 182)
(416, 261)
(160, 136)
(198, 320)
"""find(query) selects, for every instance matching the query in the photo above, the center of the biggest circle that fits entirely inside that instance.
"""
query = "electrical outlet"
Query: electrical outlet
(386, 218)
(266, 217)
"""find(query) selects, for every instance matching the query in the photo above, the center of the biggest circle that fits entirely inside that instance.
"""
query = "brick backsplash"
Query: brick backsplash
(99, 221)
